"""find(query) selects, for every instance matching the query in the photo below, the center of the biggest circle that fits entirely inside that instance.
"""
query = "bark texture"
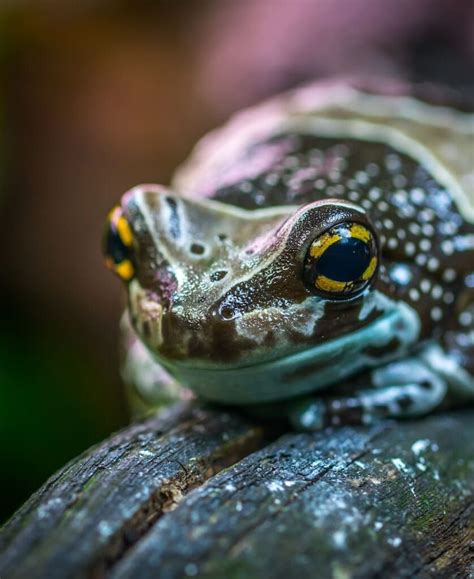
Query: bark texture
(206, 493)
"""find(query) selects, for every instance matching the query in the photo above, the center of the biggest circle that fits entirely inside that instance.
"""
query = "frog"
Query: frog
(314, 257)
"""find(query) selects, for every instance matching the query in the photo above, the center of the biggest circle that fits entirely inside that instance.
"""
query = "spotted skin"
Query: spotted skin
(414, 215)
(219, 296)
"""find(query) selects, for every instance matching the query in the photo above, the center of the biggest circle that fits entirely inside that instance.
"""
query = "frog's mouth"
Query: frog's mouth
(385, 338)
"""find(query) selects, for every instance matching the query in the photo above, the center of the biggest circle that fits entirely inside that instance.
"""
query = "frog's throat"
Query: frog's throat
(388, 337)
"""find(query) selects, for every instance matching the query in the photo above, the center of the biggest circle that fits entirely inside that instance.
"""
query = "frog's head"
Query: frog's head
(246, 306)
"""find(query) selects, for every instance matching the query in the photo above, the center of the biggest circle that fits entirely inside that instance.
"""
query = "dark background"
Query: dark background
(98, 96)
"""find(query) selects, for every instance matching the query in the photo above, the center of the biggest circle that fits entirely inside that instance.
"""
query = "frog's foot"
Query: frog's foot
(400, 389)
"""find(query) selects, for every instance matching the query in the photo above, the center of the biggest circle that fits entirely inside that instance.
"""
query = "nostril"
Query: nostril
(197, 248)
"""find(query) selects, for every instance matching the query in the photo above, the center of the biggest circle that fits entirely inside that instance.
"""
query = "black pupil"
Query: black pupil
(345, 260)
(114, 246)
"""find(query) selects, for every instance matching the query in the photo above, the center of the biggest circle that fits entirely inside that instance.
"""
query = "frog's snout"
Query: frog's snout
(164, 325)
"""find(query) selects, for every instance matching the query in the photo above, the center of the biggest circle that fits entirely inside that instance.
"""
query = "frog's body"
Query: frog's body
(216, 275)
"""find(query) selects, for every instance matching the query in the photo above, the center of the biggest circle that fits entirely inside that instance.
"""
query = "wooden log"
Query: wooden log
(394, 500)
(87, 515)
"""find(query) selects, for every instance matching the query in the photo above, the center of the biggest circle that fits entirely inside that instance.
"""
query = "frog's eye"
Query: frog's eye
(117, 245)
(342, 261)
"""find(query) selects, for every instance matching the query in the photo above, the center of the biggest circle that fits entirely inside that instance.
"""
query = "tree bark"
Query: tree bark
(208, 493)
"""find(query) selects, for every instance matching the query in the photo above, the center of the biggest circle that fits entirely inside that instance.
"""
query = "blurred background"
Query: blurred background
(97, 96)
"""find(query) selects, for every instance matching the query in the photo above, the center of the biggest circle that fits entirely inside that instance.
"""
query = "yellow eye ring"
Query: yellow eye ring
(117, 245)
(342, 261)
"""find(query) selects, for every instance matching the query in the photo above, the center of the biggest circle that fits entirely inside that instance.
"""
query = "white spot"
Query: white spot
(399, 181)
(394, 541)
(420, 446)
(426, 215)
(433, 264)
(291, 161)
(414, 294)
(105, 530)
(449, 274)
(448, 228)
(401, 466)
(410, 248)
(437, 292)
(428, 230)
(417, 196)
(425, 245)
(275, 486)
(400, 274)
(447, 247)
(400, 198)
(425, 285)
(374, 194)
(465, 319)
(448, 298)
(436, 314)
(312, 417)
(392, 162)
(464, 242)
(353, 196)
(272, 179)
(339, 539)
(362, 177)
(372, 169)
(146, 453)
(407, 211)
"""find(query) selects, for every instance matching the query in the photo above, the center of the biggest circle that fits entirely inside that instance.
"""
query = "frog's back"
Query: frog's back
(406, 162)
(327, 140)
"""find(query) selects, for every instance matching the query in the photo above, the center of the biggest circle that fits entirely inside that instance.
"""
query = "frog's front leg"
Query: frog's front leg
(405, 388)
(149, 385)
